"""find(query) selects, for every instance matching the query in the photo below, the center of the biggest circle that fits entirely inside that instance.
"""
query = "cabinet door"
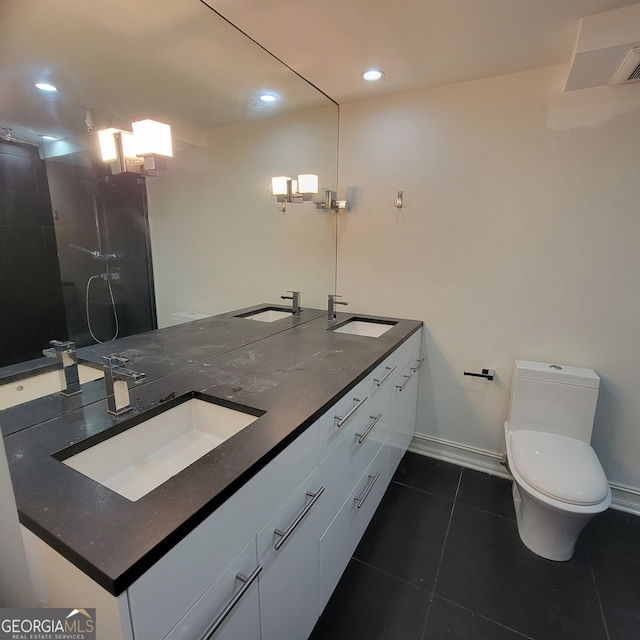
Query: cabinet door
(288, 551)
(230, 608)
(404, 402)
(341, 539)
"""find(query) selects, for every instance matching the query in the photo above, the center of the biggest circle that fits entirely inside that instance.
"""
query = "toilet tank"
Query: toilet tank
(553, 398)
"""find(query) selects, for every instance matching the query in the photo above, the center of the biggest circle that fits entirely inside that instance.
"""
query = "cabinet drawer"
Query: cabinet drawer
(341, 539)
(195, 562)
(242, 619)
(379, 383)
(333, 430)
(404, 353)
(289, 580)
(340, 470)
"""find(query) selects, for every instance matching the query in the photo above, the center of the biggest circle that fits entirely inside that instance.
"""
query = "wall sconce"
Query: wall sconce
(144, 151)
(330, 202)
(287, 189)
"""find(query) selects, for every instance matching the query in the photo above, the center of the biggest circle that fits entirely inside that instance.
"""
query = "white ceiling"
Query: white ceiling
(418, 43)
(130, 59)
(178, 61)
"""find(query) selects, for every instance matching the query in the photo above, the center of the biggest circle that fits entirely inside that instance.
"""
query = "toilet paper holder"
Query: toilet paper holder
(488, 374)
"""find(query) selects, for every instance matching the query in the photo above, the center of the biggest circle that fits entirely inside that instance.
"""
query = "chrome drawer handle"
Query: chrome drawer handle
(406, 382)
(367, 491)
(419, 361)
(390, 370)
(298, 519)
(374, 421)
(235, 598)
(358, 403)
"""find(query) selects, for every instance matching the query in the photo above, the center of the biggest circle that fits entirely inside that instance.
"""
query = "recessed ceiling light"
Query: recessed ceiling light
(267, 97)
(48, 137)
(44, 86)
(371, 75)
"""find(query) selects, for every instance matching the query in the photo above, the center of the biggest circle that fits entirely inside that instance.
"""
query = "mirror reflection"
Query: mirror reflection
(90, 255)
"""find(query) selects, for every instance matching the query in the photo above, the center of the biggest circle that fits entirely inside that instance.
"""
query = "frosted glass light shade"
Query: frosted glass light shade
(107, 142)
(152, 137)
(129, 144)
(279, 185)
(109, 145)
(307, 183)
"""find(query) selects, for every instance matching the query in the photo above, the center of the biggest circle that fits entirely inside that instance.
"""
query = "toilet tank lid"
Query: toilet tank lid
(550, 372)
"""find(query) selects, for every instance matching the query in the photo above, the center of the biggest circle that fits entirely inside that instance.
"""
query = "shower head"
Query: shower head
(95, 254)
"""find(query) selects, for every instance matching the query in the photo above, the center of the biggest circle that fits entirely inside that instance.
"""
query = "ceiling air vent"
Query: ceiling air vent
(630, 69)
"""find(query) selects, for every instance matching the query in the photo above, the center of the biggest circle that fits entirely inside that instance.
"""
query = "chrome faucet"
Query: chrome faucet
(295, 298)
(65, 353)
(116, 376)
(331, 314)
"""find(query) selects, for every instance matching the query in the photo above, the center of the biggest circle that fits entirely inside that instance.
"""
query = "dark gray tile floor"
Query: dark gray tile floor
(442, 560)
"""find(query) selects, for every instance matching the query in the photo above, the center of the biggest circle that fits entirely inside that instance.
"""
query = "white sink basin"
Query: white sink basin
(41, 385)
(270, 315)
(138, 460)
(364, 328)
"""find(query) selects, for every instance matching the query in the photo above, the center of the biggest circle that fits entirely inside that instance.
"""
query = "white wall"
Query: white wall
(520, 239)
(220, 242)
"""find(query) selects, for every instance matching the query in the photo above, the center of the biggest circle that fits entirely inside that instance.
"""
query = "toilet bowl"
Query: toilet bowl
(559, 484)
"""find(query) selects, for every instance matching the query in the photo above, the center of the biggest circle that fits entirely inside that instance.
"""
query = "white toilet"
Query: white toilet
(559, 484)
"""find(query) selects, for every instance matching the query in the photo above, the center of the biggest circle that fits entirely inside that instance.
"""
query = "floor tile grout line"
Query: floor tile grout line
(465, 504)
(489, 513)
(391, 575)
(430, 493)
(444, 544)
(622, 556)
(595, 583)
(475, 613)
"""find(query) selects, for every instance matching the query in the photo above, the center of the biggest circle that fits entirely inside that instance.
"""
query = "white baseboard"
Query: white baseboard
(624, 498)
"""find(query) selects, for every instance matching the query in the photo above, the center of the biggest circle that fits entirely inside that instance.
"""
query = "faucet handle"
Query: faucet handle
(333, 296)
(62, 345)
(59, 347)
(115, 360)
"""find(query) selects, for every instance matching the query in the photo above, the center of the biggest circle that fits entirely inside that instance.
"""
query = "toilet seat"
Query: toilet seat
(561, 468)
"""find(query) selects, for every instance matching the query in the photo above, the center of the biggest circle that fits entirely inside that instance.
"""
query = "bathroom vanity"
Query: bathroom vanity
(251, 538)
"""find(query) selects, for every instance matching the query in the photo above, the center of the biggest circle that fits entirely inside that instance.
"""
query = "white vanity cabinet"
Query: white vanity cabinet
(264, 564)
(161, 597)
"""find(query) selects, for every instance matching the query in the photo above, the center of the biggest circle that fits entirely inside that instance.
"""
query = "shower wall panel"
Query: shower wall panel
(32, 309)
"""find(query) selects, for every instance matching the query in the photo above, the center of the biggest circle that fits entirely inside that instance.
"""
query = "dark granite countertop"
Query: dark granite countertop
(155, 353)
(294, 376)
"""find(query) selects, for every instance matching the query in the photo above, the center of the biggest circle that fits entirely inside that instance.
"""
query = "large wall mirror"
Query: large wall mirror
(90, 255)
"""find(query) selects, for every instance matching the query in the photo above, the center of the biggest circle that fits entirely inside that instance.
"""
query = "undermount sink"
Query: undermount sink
(43, 384)
(371, 328)
(138, 460)
(270, 314)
